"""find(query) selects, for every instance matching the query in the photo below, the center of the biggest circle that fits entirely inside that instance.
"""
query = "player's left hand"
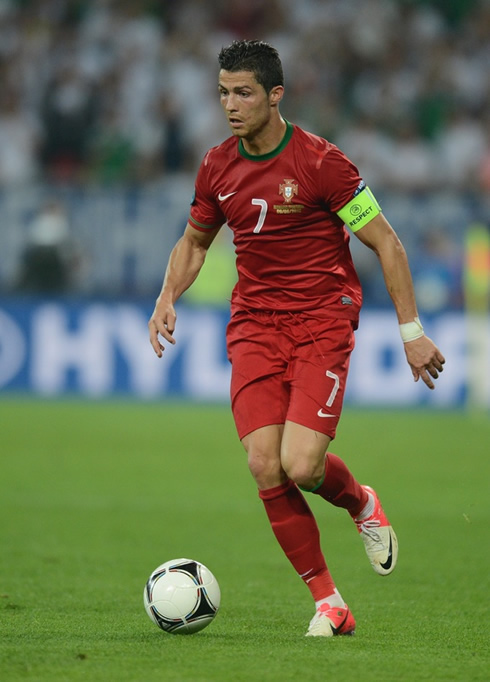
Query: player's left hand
(425, 359)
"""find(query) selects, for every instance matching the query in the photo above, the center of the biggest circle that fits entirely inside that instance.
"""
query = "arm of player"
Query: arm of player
(183, 267)
(423, 356)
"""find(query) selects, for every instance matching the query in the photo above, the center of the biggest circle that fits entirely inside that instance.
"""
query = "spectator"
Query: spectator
(71, 62)
(50, 259)
(19, 142)
(68, 116)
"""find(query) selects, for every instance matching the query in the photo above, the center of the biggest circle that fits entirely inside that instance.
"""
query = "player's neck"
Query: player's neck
(267, 139)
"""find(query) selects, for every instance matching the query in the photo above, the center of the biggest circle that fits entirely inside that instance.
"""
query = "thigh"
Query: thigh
(318, 376)
(259, 394)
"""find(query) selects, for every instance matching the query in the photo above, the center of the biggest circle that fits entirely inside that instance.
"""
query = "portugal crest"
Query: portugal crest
(287, 190)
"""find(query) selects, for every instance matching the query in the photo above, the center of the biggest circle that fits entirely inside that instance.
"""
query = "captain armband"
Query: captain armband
(360, 210)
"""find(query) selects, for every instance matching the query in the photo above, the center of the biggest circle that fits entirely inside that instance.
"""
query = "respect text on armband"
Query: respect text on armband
(360, 210)
(361, 216)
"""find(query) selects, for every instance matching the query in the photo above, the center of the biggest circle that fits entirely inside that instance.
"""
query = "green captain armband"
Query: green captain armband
(360, 210)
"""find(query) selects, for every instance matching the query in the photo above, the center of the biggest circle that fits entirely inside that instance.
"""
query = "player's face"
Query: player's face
(246, 104)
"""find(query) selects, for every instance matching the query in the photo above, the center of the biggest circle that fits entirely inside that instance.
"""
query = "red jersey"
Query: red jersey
(292, 250)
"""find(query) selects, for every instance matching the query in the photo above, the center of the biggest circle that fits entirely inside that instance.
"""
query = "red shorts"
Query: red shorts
(288, 366)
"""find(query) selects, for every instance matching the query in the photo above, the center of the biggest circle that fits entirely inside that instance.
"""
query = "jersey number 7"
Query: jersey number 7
(263, 212)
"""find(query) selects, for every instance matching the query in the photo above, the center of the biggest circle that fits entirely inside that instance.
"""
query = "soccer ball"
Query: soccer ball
(182, 596)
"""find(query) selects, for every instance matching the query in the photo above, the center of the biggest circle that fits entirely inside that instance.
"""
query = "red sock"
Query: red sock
(340, 488)
(296, 531)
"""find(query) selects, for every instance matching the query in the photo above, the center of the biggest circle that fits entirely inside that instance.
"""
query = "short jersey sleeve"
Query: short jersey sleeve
(205, 211)
(340, 179)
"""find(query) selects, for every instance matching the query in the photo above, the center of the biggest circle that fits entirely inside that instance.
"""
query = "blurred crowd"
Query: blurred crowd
(108, 91)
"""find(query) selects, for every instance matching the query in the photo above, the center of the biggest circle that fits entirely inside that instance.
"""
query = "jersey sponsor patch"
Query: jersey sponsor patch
(360, 210)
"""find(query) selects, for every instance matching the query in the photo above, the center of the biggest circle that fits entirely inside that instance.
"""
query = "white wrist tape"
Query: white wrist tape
(411, 330)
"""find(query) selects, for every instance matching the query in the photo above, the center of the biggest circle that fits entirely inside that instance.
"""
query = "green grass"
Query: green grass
(93, 496)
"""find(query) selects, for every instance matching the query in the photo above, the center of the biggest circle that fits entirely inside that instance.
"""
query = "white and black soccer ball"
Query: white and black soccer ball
(182, 596)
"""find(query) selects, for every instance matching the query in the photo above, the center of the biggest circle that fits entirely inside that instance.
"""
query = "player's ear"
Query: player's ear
(275, 95)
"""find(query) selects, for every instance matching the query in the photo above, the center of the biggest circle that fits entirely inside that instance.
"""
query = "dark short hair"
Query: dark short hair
(256, 56)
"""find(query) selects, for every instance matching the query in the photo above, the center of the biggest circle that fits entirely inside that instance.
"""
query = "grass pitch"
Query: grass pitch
(93, 496)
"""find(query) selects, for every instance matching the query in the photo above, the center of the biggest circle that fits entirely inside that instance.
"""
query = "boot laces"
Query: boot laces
(370, 528)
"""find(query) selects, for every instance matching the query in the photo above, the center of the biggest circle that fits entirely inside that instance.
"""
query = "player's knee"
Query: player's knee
(304, 473)
(265, 469)
(264, 460)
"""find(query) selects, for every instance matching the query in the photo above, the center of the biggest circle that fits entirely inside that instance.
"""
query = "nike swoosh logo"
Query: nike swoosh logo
(303, 575)
(321, 413)
(222, 197)
(389, 560)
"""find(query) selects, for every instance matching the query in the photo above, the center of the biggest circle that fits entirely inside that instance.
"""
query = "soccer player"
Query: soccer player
(289, 197)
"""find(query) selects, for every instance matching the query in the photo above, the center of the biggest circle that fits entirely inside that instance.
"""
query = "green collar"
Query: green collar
(274, 152)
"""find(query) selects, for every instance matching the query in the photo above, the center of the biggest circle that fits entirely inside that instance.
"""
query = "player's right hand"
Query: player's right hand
(162, 324)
